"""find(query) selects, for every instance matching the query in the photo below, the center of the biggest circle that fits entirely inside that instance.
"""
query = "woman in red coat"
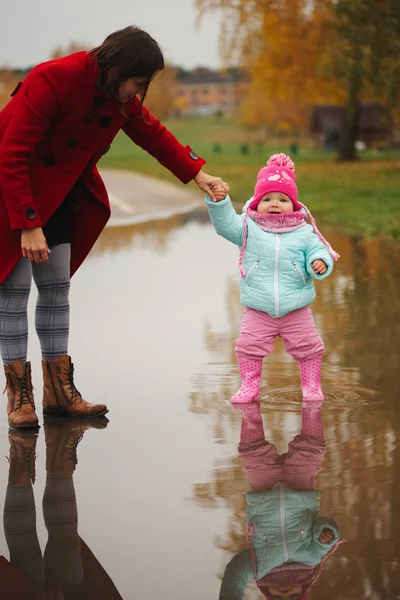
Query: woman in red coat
(53, 202)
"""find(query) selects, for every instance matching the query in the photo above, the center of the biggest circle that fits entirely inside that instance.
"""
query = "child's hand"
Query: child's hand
(319, 267)
(220, 191)
(326, 536)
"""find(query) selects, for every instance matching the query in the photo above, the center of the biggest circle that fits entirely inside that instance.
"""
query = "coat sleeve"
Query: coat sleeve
(238, 573)
(36, 107)
(147, 132)
(316, 249)
(226, 221)
(319, 525)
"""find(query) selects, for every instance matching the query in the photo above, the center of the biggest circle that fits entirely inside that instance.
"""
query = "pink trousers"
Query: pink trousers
(297, 329)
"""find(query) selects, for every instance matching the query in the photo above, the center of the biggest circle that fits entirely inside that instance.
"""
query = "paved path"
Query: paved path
(136, 198)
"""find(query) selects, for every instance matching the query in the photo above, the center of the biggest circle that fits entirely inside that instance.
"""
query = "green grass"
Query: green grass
(361, 198)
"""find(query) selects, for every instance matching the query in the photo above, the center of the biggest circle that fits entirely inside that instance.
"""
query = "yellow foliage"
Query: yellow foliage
(284, 46)
(161, 97)
(72, 47)
(8, 82)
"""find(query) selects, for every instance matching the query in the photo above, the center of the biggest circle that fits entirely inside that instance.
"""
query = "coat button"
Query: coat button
(75, 206)
(106, 150)
(105, 121)
(48, 160)
(193, 155)
(31, 214)
(99, 101)
(71, 142)
(89, 117)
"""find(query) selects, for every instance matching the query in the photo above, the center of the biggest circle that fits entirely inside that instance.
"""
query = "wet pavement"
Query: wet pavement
(159, 489)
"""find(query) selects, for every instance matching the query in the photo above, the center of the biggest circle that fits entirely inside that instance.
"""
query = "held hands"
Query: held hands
(220, 192)
(326, 536)
(319, 267)
(207, 183)
(34, 245)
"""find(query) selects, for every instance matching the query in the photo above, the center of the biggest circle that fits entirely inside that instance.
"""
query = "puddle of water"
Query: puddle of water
(160, 490)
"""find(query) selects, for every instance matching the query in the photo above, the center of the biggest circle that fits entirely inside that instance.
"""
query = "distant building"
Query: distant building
(206, 92)
(327, 121)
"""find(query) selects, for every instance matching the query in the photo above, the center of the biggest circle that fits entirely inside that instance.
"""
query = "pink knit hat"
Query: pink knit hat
(278, 176)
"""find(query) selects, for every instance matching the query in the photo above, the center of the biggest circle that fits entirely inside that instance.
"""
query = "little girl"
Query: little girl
(279, 257)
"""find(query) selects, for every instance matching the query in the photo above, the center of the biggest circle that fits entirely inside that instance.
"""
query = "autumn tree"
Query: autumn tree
(366, 59)
(301, 53)
(70, 48)
(161, 97)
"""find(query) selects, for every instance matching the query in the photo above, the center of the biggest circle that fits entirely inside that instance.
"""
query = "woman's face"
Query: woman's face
(131, 88)
(285, 592)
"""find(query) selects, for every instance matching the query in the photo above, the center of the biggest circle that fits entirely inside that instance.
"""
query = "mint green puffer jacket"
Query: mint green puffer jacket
(279, 274)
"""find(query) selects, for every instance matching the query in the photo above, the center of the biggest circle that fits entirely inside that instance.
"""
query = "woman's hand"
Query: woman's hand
(34, 245)
(319, 267)
(208, 182)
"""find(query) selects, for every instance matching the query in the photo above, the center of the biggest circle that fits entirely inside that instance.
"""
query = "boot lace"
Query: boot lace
(69, 381)
(74, 391)
(24, 395)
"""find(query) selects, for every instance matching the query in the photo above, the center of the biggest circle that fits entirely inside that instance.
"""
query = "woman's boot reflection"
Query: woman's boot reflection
(62, 557)
(20, 513)
(288, 542)
(69, 570)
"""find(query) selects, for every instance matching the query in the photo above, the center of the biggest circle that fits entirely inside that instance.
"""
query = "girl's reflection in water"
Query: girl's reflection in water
(288, 542)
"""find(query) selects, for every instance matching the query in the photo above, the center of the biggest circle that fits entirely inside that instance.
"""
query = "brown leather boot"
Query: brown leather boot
(60, 396)
(21, 406)
(22, 458)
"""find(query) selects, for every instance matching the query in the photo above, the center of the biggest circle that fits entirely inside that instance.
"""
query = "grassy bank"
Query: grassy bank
(361, 198)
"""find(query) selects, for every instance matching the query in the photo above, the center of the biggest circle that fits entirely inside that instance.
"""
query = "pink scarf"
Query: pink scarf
(279, 223)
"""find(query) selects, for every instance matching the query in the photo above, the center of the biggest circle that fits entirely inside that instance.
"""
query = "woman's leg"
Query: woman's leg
(60, 396)
(14, 295)
(52, 280)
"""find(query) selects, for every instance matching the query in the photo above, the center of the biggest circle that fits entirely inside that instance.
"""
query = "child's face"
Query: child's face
(285, 593)
(275, 203)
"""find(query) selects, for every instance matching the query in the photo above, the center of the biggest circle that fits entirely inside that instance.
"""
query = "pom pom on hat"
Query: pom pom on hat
(281, 160)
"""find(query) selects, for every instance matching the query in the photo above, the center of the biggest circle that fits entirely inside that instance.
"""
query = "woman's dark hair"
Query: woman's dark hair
(129, 52)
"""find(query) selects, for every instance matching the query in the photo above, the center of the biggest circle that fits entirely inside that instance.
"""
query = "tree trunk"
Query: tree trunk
(349, 133)
(351, 119)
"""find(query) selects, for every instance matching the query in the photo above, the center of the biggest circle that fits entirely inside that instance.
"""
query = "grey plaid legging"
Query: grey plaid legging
(52, 280)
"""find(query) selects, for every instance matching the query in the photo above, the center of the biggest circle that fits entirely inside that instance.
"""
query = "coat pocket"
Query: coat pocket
(299, 272)
(252, 268)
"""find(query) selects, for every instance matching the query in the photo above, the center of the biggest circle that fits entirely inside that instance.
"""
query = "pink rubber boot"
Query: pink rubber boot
(310, 377)
(250, 372)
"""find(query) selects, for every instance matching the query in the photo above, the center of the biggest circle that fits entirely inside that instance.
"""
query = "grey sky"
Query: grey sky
(31, 29)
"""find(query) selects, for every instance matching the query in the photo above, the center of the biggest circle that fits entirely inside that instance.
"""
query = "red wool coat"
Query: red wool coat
(53, 131)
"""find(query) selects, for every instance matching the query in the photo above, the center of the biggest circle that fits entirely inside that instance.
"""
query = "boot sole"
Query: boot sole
(24, 427)
(48, 412)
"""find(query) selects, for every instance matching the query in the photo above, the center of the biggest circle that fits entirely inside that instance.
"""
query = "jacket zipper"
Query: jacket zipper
(285, 550)
(253, 266)
(299, 271)
(276, 274)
